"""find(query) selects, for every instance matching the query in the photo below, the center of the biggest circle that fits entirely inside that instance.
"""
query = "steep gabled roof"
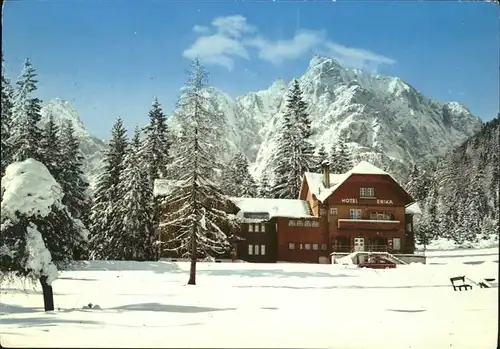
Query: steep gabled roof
(291, 208)
(322, 193)
(413, 209)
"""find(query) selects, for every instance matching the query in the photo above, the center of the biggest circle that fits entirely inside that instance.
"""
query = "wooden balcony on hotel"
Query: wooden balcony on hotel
(367, 224)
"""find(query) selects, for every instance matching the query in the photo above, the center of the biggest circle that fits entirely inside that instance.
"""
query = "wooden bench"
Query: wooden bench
(460, 286)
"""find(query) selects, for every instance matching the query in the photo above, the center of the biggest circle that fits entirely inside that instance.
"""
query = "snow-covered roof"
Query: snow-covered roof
(274, 207)
(317, 187)
(163, 187)
(413, 209)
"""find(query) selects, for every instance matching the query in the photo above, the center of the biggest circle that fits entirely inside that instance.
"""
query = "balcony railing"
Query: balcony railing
(368, 224)
(372, 248)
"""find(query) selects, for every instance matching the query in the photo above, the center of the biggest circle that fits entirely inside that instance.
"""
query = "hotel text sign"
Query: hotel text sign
(355, 201)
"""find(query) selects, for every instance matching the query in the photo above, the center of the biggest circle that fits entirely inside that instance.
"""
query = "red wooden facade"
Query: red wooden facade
(359, 210)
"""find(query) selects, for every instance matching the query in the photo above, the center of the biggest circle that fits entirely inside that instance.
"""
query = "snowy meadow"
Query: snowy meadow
(147, 304)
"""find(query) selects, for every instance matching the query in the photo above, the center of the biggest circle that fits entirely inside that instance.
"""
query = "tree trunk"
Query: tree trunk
(192, 269)
(48, 295)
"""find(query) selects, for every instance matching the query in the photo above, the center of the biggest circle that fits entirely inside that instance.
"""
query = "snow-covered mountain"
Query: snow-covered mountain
(385, 120)
(91, 146)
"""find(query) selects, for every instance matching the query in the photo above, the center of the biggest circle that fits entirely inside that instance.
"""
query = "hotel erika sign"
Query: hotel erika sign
(355, 201)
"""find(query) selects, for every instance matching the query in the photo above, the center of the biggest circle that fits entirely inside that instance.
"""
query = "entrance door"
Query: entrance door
(359, 244)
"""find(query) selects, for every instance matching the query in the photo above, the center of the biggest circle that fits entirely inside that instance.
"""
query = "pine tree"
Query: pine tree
(321, 156)
(264, 188)
(26, 134)
(77, 196)
(6, 123)
(50, 148)
(156, 146)
(236, 178)
(38, 233)
(195, 219)
(306, 155)
(104, 224)
(344, 157)
(294, 154)
(136, 240)
(334, 160)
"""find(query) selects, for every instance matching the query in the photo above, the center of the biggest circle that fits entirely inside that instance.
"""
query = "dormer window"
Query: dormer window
(367, 192)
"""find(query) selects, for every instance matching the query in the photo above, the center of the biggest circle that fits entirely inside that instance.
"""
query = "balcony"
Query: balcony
(367, 224)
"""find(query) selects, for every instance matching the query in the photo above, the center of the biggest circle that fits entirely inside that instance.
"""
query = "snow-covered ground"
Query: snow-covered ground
(258, 305)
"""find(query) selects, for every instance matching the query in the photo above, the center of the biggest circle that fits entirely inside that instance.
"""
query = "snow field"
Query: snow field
(259, 305)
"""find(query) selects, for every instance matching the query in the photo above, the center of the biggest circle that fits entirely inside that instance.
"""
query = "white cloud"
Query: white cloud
(234, 26)
(201, 29)
(216, 49)
(278, 51)
(357, 57)
(232, 36)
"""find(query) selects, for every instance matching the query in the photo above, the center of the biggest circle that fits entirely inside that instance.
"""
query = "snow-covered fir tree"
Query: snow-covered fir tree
(295, 153)
(77, 195)
(459, 191)
(104, 223)
(6, 122)
(195, 223)
(50, 148)
(340, 157)
(236, 178)
(156, 146)
(264, 187)
(38, 233)
(26, 134)
(321, 156)
(136, 239)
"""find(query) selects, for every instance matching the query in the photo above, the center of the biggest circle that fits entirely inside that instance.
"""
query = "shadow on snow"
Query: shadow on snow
(44, 321)
(168, 308)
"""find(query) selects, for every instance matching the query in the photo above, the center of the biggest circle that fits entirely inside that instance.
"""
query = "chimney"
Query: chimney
(325, 168)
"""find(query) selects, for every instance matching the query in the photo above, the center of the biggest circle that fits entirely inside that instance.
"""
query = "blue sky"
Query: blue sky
(111, 58)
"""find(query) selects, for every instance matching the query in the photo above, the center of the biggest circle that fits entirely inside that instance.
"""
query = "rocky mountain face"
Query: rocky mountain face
(385, 120)
(90, 146)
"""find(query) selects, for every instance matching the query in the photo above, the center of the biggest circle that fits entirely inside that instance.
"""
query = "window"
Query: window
(355, 213)
(250, 228)
(379, 216)
(315, 223)
(323, 247)
(256, 228)
(322, 212)
(396, 244)
(250, 250)
(291, 246)
(315, 247)
(256, 249)
(291, 223)
(408, 227)
(300, 223)
(308, 246)
(334, 211)
(301, 246)
(262, 228)
(263, 249)
(367, 192)
(307, 223)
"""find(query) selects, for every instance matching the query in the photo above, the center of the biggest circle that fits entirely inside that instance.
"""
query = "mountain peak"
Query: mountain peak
(318, 60)
(62, 110)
